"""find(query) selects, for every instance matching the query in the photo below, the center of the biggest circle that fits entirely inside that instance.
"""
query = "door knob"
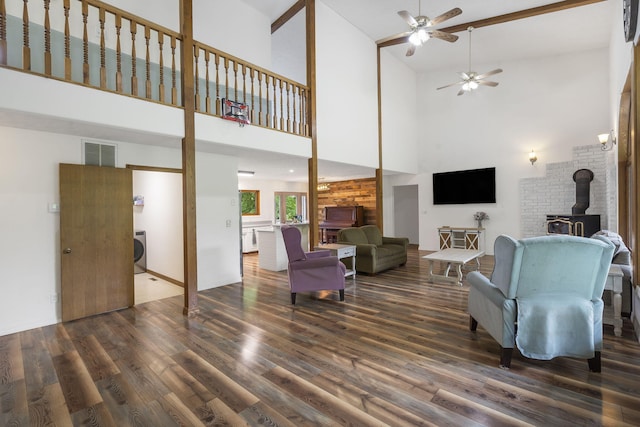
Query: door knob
(66, 251)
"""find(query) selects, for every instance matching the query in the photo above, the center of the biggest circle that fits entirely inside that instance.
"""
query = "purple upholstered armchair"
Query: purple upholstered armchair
(311, 271)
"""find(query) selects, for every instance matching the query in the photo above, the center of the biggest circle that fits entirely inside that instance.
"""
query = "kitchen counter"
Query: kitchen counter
(272, 253)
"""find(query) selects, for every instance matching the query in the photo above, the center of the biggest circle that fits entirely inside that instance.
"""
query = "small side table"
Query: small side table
(342, 251)
(612, 315)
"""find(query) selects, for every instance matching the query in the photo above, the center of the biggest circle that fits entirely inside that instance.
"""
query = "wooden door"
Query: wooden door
(96, 240)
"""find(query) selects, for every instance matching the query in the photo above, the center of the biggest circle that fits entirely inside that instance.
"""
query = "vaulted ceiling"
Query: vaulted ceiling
(574, 29)
(582, 28)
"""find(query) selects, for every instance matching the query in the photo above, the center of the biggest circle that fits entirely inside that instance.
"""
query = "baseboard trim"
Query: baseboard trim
(165, 278)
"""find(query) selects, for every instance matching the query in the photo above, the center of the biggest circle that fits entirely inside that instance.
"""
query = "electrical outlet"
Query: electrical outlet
(53, 298)
(228, 223)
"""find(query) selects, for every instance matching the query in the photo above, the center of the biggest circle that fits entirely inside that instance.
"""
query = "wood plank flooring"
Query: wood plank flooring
(396, 352)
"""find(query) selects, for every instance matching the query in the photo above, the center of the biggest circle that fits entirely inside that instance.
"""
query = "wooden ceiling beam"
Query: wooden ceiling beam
(501, 19)
(285, 17)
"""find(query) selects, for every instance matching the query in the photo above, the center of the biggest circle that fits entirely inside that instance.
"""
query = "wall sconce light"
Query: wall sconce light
(532, 157)
(323, 187)
(608, 140)
(246, 173)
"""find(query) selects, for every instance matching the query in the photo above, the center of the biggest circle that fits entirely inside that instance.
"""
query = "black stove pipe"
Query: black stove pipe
(582, 178)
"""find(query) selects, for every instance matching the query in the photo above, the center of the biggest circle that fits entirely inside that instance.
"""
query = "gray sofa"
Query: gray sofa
(374, 252)
(621, 257)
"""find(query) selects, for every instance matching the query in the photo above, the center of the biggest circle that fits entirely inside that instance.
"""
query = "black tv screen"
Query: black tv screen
(463, 187)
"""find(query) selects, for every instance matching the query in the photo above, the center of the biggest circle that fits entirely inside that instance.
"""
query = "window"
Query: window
(250, 202)
(290, 207)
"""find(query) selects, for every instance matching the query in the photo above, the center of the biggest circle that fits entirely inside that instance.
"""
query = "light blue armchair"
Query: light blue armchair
(545, 296)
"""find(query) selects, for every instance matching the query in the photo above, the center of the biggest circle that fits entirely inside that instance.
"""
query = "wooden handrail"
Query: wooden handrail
(232, 58)
(116, 11)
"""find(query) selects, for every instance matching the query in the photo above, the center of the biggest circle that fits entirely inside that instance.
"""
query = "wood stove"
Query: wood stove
(575, 225)
(578, 223)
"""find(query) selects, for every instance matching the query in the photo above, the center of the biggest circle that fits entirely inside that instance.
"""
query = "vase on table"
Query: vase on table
(479, 223)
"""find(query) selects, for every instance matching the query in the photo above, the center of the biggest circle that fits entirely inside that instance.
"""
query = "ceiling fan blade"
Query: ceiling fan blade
(411, 49)
(461, 92)
(449, 85)
(486, 83)
(443, 36)
(489, 73)
(394, 37)
(465, 76)
(447, 15)
(408, 18)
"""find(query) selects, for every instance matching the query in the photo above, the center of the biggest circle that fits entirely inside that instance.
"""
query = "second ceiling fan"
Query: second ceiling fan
(421, 28)
(470, 80)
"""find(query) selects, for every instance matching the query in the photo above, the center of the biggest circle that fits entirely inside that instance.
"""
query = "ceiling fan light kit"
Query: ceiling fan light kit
(418, 37)
(471, 80)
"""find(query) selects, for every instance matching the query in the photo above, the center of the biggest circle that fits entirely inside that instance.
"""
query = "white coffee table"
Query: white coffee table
(457, 257)
(342, 251)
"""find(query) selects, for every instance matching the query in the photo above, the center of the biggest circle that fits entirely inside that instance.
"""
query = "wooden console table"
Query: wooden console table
(470, 238)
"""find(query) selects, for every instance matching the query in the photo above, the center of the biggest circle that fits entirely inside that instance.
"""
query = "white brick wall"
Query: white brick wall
(555, 193)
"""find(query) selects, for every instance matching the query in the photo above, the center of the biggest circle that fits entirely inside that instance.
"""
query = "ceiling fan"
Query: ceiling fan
(472, 80)
(421, 28)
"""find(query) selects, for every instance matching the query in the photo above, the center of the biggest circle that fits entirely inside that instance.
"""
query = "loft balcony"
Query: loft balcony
(95, 45)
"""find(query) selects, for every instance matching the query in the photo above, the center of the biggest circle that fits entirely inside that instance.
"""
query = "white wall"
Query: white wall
(70, 103)
(400, 126)
(620, 59)
(161, 218)
(217, 220)
(227, 132)
(289, 49)
(163, 12)
(235, 28)
(29, 249)
(347, 100)
(549, 104)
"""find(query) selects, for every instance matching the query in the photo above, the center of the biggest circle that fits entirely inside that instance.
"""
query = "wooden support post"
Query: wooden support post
(189, 161)
(310, 9)
(379, 171)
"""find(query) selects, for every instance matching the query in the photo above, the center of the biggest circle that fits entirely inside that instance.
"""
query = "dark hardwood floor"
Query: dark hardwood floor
(397, 351)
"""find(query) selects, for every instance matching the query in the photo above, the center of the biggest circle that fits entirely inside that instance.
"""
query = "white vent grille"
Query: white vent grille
(99, 154)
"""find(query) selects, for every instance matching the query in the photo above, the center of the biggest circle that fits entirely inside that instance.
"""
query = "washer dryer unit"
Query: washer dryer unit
(139, 252)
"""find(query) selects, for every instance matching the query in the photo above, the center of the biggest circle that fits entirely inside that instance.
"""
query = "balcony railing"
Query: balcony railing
(95, 44)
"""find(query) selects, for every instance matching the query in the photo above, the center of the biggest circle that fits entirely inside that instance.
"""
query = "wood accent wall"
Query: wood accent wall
(355, 192)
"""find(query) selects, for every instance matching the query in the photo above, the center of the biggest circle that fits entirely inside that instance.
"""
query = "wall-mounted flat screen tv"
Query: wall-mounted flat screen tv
(463, 187)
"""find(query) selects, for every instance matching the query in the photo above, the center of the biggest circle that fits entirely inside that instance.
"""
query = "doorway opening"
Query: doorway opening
(405, 212)
(158, 233)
